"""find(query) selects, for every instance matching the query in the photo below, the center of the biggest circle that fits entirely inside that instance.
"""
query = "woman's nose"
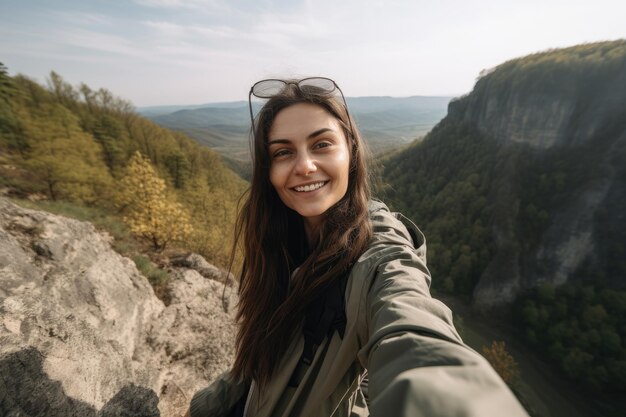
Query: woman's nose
(305, 165)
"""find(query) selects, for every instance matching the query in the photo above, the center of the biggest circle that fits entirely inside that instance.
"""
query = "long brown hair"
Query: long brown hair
(273, 241)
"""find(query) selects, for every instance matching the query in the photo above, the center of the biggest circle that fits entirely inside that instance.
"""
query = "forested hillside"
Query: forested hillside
(521, 192)
(88, 148)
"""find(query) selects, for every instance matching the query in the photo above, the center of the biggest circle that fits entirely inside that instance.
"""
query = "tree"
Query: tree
(62, 159)
(9, 124)
(178, 166)
(63, 91)
(502, 361)
(109, 133)
(149, 212)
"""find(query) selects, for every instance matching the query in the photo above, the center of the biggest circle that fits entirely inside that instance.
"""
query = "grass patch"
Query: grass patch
(157, 277)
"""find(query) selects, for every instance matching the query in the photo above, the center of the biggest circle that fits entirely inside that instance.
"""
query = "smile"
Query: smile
(310, 187)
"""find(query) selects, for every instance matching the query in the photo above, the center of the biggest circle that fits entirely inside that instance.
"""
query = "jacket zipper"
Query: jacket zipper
(357, 380)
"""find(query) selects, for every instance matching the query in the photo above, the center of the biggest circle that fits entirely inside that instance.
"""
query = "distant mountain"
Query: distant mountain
(386, 103)
(386, 122)
(152, 111)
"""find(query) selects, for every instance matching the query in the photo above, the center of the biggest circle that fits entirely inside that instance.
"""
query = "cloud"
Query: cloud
(99, 41)
(253, 32)
(197, 5)
(172, 31)
(76, 17)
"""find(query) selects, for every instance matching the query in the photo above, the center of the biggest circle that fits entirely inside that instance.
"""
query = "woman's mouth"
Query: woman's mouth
(310, 187)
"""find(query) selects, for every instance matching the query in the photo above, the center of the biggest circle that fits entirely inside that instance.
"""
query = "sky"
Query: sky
(183, 52)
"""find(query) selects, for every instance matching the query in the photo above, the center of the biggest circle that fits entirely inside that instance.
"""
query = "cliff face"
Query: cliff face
(572, 241)
(523, 182)
(542, 102)
(82, 333)
(541, 123)
(573, 111)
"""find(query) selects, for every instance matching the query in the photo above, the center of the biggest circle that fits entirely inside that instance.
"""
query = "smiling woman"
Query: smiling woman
(334, 287)
(310, 166)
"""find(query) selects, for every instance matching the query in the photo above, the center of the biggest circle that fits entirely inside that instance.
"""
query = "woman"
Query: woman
(334, 286)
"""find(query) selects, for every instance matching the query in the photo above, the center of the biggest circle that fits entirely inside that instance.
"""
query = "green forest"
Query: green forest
(581, 329)
(475, 195)
(443, 183)
(87, 153)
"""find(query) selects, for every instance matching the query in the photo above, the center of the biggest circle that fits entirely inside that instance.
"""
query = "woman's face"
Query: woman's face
(310, 160)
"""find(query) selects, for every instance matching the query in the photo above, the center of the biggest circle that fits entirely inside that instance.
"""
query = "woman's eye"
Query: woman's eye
(323, 145)
(280, 153)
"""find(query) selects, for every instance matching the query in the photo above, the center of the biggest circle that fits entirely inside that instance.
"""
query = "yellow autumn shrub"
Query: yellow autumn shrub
(149, 211)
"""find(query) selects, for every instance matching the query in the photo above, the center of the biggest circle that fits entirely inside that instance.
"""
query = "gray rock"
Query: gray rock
(199, 264)
(82, 333)
(192, 339)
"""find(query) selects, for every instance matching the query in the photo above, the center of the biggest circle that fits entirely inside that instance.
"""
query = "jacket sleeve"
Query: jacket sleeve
(417, 363)
(218, 399)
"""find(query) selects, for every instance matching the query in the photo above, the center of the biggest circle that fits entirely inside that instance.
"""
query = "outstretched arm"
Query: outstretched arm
(417, 363)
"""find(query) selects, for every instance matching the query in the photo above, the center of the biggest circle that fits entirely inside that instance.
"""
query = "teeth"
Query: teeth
(310, 187)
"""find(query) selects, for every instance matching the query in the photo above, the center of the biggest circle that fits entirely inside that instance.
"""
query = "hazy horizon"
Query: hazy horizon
(245, 102)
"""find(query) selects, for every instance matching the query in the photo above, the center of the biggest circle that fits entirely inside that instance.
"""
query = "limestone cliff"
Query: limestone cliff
(555, 98)
(565, 105)
(82, 333)
(524, 181)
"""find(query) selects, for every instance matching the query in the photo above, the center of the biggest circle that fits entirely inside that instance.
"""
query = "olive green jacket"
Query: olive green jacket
(417, 363)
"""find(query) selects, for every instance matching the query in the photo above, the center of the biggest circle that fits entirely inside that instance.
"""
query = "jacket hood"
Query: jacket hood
(394, 228)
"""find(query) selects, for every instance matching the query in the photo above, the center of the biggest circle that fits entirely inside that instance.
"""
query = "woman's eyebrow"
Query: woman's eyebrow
(311, 136)
(277, 141)
(319, 132)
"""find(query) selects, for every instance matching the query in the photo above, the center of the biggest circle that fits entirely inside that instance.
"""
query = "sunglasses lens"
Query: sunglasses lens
(268, 88)
(318, 85)
(314, 85)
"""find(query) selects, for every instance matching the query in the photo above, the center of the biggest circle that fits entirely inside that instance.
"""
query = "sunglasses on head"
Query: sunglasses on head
(269, 88)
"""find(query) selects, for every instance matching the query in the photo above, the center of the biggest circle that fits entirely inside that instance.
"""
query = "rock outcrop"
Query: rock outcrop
(82, 333)
(546, 99)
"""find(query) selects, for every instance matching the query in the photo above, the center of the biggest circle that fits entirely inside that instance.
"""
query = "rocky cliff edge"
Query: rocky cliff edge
(82, 333)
